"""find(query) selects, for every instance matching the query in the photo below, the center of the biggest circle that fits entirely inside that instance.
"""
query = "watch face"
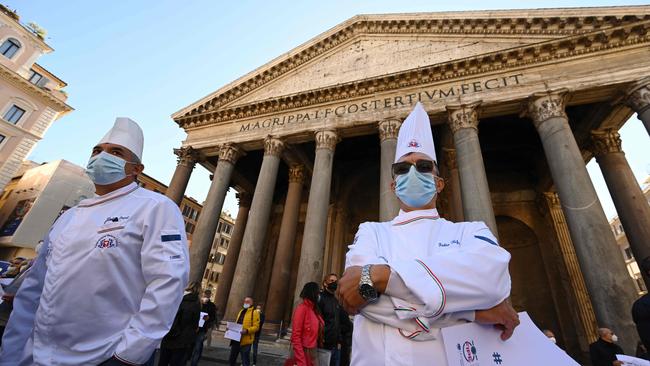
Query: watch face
(368, 292)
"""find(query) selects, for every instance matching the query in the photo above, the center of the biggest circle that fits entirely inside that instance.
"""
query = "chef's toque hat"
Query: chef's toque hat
(415, 135)
(126, 133)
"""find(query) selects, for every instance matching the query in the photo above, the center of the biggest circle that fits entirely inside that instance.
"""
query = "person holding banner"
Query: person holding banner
(409, 277)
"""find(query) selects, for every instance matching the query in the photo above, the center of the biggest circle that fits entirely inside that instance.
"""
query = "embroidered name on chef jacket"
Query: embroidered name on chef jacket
(171, 240)
(453, 242)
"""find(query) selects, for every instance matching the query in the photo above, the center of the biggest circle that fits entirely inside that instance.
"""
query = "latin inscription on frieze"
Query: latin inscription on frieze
(446, 92)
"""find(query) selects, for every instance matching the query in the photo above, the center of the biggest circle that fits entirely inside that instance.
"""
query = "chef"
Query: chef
(105, 288)
(409, 277)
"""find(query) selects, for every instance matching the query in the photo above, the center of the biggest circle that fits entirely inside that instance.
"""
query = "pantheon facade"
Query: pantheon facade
(519, 100)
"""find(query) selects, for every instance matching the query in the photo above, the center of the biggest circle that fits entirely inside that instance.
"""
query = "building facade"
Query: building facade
(34, 199)
(31, 98)
(218, 254)
(519, 101)
(624, 245)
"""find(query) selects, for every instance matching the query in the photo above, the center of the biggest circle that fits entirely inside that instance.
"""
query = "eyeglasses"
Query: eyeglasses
(421, 165)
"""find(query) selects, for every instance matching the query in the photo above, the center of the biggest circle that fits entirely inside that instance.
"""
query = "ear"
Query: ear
(392, 186)
(440, 184)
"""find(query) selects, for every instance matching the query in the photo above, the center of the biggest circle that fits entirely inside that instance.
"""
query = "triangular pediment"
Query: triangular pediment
(371, 46)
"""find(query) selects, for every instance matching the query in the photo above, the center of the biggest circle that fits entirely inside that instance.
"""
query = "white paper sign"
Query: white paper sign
(474, 344)
(233, 331)
(632, 361)
(201, 320)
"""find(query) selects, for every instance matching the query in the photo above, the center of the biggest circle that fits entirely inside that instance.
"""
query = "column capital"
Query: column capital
(273, 146)
(545, 105)
(388, 129)
(245, 199)
(552, 199)
(605, 142)
(450, 158)
(637, 96)
(187, 156)
(326, 139)
(297, 174)
(463, 116)
(230, 153)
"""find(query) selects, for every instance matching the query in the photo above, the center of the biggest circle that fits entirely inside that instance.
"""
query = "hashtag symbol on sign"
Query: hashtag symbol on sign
(497, 358)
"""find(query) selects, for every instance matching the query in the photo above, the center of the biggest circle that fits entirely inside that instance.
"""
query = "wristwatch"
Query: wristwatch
(366, 287)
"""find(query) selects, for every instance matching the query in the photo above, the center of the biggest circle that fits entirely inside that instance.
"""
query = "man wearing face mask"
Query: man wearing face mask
(337, 323)
(106, 285)
(208, 307)
(418, 273)
(603, 352)
(250, 321)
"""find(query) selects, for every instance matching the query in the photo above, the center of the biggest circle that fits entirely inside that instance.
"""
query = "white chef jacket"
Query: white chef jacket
(108, 281)
(441, 272)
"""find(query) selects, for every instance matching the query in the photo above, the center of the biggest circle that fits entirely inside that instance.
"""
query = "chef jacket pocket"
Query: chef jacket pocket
(172, 245)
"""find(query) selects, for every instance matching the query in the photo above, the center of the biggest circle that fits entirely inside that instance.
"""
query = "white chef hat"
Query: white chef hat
(126, 133)
(415, 135)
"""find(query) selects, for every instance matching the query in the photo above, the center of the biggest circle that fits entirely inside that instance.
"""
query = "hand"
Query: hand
(503, 316)
(244, 331)
(206, 317)
(8, 298)
(348, 289)
(618, 363)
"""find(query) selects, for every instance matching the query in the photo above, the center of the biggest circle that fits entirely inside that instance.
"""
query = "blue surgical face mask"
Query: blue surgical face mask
(104, 168)
(415, 189)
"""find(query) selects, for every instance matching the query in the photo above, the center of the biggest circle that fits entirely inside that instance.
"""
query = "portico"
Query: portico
(514, 98)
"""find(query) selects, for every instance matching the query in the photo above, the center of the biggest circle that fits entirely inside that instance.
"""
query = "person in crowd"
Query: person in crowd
(307, 324)
(208, 307)
(641, 351)
(337, 322)
(108, 280)
(259, 308)
(250, 321)
(177, 344)
(431, 273)
(641, 309)
(9, 292)
(550, 335)
(603, 352)
(14, 268)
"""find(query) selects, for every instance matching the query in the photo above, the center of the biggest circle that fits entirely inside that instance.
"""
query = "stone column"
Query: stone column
(209, 217)
(453, 184)
(610, 286)
(187, 158)
(388, 202)
(586, 320)
(228, 271)
(638, 98)
(280, 278)
(310, 267)
(630, 202)
(250, 255)
(476, 200)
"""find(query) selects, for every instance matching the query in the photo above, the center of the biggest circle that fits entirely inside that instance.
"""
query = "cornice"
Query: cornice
(26, 86)
(535, 26)
(527, 55)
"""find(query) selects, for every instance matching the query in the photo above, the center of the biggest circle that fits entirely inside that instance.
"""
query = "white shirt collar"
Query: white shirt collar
(109, 196)
(405, 217)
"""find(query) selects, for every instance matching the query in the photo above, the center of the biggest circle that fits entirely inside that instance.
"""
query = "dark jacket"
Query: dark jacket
(603, 353)
(211, 309)
(641, 317)
(337, 322)
(186, 323)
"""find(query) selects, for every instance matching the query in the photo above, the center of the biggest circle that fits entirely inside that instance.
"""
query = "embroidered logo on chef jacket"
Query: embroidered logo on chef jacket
(172, 245)
(467, 353)
(106, 241)
(453, 242)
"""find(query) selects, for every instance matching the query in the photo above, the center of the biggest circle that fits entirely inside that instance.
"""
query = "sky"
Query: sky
(148, 59)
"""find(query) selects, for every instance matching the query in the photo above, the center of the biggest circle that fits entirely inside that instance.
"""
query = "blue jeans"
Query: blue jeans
(336, 357)
(256, 343)
(198, 348)
(235, 350)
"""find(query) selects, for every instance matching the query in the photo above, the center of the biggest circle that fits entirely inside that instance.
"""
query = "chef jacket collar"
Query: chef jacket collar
(407, 217)
(109, 196)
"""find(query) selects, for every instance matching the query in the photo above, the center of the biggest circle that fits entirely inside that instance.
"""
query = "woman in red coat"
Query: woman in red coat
(306, 327)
